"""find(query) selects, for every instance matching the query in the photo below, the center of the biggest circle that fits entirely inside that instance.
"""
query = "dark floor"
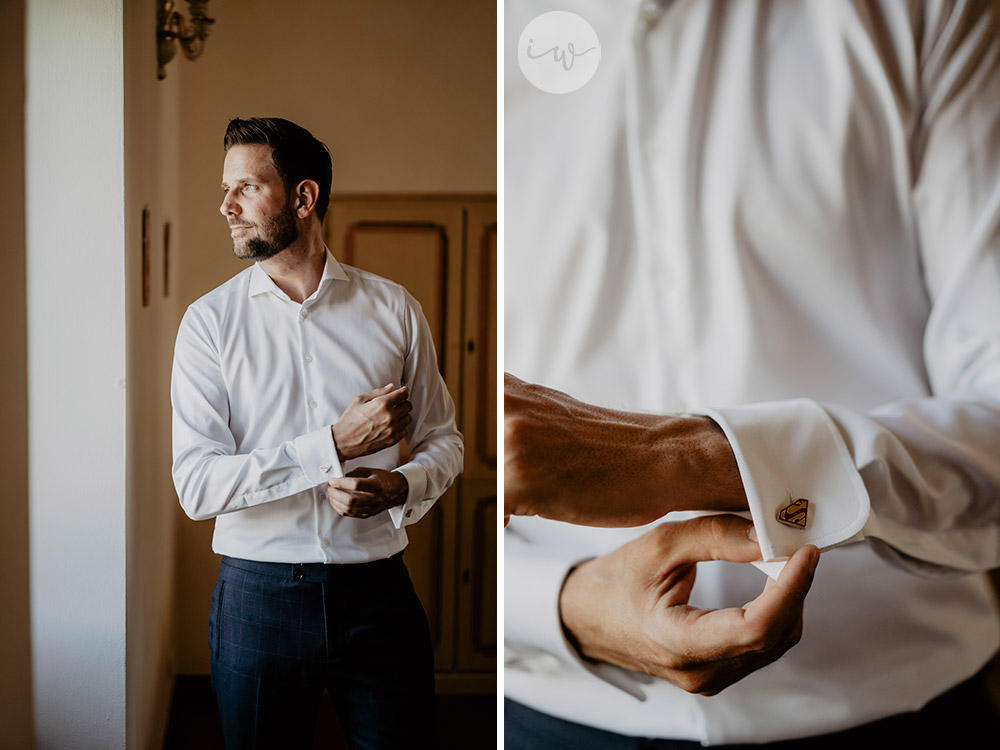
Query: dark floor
(464, 721)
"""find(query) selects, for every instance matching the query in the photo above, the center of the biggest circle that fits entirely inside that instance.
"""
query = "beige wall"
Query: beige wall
(15, 636)
(403, 93)
(152, 143)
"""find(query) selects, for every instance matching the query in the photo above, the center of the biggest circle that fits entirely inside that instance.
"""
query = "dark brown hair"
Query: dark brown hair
(297, 154)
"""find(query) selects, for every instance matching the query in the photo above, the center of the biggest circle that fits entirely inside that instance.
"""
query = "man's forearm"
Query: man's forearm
(580, 463)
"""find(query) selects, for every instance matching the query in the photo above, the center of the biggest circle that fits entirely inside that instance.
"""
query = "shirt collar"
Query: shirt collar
(261, 283)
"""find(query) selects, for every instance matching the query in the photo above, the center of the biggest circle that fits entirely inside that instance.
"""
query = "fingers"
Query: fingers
(782, 600)
(394, 397)
(375, 393)
(769, 625)
(716, 648)
(362, 480)
(366, 491)
(719, 537)
(350, 495)
(356, 480)
(354, 505)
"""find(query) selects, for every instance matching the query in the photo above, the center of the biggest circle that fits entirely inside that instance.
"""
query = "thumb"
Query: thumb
(716, 537)
(782, 601)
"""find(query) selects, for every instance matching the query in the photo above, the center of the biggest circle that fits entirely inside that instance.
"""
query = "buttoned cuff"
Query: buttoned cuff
(537, 606)
(318, 456)
(789, 451)
(410, 511)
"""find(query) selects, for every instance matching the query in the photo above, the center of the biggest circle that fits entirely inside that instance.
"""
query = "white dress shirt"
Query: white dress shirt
(259, 379)
(787, 216)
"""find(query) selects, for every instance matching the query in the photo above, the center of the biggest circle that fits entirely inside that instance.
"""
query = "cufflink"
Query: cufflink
(795, 514)
(325, 468)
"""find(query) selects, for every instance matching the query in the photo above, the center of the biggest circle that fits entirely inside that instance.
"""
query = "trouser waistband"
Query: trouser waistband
(319, 572)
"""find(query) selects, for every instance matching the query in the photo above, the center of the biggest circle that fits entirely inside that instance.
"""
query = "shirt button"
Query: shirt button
(304, 314)
(326, 542)
(309, 358)
(650, 12)
(313, 404)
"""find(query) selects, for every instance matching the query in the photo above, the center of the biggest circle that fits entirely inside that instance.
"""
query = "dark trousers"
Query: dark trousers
(280, 633)
(964, 717)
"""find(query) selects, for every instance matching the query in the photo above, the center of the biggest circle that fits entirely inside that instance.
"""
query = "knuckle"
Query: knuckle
(718, 528)
(791, 636)
(672, 662)
(657, 541)
(691, 683)
(512, 473)
(761, 639)
(514, 432)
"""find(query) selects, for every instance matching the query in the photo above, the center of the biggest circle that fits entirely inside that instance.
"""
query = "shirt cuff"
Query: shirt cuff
(409, 512)
(788, 451)
(538, 605)
(318, 456)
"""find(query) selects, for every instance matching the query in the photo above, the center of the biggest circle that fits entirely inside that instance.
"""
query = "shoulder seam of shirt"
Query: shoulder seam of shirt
(234, 285)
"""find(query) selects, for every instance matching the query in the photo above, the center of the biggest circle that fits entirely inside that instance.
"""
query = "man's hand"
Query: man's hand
(365, 492)
(571, 461)
(372, 421)
(630, 607)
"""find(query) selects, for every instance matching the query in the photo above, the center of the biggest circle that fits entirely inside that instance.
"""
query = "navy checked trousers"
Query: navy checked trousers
(280, 633)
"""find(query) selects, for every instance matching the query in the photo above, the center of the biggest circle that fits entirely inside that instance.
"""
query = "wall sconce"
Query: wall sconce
(170, 27)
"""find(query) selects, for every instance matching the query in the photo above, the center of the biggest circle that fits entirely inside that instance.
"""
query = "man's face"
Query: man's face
(256, 205)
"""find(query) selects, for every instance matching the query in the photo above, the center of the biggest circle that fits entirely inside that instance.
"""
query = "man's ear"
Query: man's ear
(306, 195)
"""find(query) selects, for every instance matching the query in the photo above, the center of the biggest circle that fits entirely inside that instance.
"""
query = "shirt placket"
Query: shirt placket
(655, 158)
(312, 398)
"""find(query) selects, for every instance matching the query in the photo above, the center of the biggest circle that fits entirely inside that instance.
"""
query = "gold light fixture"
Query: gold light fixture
(171, 27)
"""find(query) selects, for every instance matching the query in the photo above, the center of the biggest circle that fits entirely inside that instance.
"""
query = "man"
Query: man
(293, 384)
(754, 265)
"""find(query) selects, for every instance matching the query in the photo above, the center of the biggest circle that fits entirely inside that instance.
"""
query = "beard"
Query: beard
(275, 235)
